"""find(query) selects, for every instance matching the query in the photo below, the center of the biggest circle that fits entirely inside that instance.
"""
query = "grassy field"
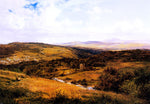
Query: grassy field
(39, 90)
(92, 76)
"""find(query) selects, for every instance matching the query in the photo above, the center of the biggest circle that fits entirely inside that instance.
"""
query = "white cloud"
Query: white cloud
(82, 17)
(51, 15)
(136, 25)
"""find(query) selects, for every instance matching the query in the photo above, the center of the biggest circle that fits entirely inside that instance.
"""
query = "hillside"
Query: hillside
(51, 68)
(19, 52)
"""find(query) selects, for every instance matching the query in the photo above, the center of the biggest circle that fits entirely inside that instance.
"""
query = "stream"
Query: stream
(78, 85)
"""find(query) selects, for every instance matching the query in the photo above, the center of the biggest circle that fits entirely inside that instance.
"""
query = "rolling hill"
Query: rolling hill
(17, 52)
(121, 45)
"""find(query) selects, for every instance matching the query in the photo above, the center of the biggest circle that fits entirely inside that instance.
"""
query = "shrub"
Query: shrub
(144, 92)
(83, 82)
(113, 78)
(68, 78)
(143, 76)
(129, 87)
(108, 82)
(74, 82)
(8, 96)
(111, 70)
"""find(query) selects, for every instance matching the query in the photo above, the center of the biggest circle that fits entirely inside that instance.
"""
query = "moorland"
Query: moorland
(28, 73)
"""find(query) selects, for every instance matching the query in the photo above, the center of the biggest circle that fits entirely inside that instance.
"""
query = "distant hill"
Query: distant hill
(17, 52)
(124, 45)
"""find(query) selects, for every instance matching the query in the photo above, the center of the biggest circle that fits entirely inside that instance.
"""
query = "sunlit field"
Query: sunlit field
(36, 89)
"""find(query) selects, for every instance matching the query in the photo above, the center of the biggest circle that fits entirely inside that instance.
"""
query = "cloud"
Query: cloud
(88, 19)
(130, 26)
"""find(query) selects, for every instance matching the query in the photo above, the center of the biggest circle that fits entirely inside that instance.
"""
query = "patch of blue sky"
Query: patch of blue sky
(32, 6)
(66, 0)
(10, 10)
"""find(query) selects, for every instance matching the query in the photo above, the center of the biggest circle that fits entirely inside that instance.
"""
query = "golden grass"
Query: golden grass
(51, 89)
(58, 51)
(94, 75)
(11, 75)
(88, 75)
(119, 65)
(84, 75)
(45, 53)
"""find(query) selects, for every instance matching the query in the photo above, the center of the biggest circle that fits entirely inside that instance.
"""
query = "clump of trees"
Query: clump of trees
(124, 56)
(6, 51)
(135, 82)
(112, 78)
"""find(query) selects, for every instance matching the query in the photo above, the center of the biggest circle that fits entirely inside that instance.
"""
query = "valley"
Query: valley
(38, 73)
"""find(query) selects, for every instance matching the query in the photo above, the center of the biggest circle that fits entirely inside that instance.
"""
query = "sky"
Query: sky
(62, 21)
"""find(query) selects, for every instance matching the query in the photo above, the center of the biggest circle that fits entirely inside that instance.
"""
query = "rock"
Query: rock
(18, 79)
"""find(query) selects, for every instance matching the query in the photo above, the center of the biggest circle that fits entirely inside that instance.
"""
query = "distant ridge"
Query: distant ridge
(112, 45)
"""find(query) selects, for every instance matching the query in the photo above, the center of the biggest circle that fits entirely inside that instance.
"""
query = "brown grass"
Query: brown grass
(50, 88)
(94, 75)
(11, 75)
(119, 65)
(44, 53)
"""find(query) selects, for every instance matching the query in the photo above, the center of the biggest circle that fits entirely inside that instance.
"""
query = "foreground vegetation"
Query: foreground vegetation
(44, 91)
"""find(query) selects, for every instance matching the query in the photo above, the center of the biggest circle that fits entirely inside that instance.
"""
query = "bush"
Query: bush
(129, 81)
(109, 80)
(83, 82)
(68, 78)
(129, 87)
(143, 81)
(144, 92)
(8, 96)
(112, 79)
(74, 82)
(143, 76)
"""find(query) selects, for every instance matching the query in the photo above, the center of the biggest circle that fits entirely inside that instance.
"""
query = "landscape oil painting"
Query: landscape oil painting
(75, 52)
